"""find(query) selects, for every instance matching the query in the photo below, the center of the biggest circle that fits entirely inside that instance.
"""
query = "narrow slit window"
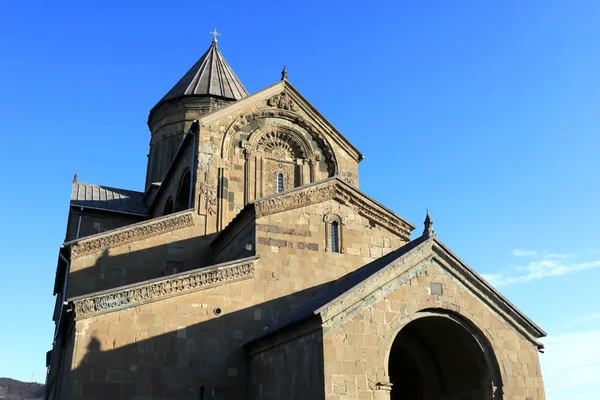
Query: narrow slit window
(335, 237)
(279, 182)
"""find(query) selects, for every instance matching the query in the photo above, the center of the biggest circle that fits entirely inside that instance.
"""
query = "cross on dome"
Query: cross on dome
(215, 34)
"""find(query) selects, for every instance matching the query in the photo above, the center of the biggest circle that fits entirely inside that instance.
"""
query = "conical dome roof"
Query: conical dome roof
(211, 75)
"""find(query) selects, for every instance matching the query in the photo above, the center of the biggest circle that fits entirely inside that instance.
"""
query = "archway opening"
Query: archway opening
(183, 193)
(437, 358)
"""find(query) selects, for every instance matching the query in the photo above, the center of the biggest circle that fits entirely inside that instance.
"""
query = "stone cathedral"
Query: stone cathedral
(253, 267)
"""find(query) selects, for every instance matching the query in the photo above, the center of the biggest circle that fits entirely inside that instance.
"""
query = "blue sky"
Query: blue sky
(485, 112)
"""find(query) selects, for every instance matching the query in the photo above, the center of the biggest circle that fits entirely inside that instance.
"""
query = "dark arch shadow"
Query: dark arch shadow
(183, 192)
(443, 356)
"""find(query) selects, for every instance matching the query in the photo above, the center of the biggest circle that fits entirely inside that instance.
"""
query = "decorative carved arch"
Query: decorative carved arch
(313, 131)
(281, 139)
(482, 338)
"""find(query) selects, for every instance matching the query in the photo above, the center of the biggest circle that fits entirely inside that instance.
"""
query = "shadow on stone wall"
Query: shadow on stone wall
(113, 271)
(202, 361)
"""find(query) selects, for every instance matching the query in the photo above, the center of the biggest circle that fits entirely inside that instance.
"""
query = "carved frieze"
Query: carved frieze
(121, 236)
(340, 192)
(150, 292)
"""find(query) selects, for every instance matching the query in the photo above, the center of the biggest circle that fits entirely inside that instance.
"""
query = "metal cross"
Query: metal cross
(215, 34)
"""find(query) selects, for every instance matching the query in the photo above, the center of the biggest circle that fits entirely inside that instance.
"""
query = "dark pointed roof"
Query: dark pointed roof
(211, 75)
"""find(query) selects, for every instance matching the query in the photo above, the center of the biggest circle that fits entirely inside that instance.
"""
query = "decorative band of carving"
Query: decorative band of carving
(154, 291)
(333, 190)
(125, 235)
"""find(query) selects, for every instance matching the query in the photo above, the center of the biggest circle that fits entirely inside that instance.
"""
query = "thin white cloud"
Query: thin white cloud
(571, 366)
(587, 318)
(524, 253)
(540, 267)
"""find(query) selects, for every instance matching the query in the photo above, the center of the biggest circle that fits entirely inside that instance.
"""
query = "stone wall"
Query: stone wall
(288, 366)
(239, 241)
(184, 337)
(136, 253)
(294, 251)
(174, 348)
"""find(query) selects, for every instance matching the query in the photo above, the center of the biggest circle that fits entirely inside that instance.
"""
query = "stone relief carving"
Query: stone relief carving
(280, 145)
(119, 237)
(209, 192)
(284, 114)
(201, 279)
(283, 101)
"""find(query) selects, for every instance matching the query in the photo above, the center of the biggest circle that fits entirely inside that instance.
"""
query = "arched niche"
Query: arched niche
(261, 145)
(334, 235)
(245, 124)
(273, 152)
(182, 200)
(440, 355)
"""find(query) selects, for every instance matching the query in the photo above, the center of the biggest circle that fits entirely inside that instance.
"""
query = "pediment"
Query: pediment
(280, 100)
(424, 254)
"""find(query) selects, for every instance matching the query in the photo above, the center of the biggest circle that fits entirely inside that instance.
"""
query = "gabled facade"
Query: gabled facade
(253, 266)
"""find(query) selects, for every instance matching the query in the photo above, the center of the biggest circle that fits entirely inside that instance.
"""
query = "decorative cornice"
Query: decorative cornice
(337, 190)
(131, 233)
(162, 288)
(486, 292)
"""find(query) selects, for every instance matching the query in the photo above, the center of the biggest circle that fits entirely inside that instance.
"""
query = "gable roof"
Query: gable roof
(107, 198)
(339, 291)
(276, 88)
(210, 75)
(317, 192)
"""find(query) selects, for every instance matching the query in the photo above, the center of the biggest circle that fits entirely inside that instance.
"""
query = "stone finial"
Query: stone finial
(284, 76)
(75, 178)
(428, 231)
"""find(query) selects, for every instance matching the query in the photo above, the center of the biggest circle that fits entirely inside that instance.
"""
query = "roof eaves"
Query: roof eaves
(358, 154)
(526, 321)
(112, 210)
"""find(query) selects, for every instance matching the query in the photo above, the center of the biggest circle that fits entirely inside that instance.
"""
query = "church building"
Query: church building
(253, 267)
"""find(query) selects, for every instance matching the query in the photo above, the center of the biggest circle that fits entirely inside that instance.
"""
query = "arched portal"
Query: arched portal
(442, 358)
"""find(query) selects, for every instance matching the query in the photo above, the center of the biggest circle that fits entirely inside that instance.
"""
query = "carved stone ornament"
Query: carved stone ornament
(121, 236)
(340, 192)
(285, 114)
(174, 286)
(280, 145)
(208, 190)
(283, 101)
